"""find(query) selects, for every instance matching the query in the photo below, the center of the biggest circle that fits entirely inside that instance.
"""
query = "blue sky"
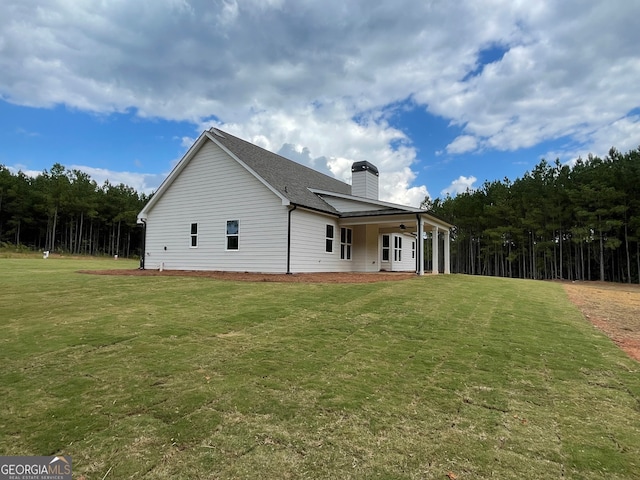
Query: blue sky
(441, 95)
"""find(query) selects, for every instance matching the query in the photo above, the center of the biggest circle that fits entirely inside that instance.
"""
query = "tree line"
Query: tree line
(556, 222)
(63, 210)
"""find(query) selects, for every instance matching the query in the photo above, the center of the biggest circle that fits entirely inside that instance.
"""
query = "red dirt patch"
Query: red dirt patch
(613, 308)
(267, 277)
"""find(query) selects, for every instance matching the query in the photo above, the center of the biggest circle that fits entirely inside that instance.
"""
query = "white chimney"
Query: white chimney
(364, 180)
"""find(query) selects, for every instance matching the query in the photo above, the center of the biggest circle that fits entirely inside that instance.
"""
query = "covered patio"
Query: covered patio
(370, 227)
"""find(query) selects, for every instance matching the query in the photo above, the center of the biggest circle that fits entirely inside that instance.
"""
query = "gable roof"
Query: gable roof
(287, 179)
(291, 179)
(292, 182)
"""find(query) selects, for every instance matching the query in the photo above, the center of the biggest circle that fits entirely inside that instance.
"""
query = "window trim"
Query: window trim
(329, 240)
(346, 243)
(236, 235)
(397, 248)
(193, 235)
(386, 248)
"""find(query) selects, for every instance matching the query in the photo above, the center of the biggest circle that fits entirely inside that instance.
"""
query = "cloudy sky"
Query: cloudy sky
(440, 95)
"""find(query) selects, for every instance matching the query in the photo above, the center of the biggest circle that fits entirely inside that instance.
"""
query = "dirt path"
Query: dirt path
(268, 277)
(614, 308)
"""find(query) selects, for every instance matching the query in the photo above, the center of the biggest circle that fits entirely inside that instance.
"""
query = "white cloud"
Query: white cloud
(462, 144)
(14, 169)
(186, 142)
(141, 182)
(623, 135)
(329, 140)
(563, 76)
(294, 72)
(459, 185)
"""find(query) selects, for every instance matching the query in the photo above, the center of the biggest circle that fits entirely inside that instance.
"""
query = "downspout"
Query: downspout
(417, 252)
(144, 243)
(289, 239)
(419, 245)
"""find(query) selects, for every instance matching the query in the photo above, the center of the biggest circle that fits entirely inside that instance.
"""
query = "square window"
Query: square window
(232, 243)
(232, 227)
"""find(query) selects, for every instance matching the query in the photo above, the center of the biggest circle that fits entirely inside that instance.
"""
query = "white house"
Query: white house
(229, 205)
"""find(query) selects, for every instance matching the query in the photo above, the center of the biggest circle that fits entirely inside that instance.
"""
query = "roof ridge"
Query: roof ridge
(222, 133)
(290, 178)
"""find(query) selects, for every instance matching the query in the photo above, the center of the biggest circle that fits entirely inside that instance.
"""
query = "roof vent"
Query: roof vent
(216, 132)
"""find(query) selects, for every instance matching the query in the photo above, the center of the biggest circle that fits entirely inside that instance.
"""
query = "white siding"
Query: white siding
(212, 189)
(408, 259)
(365, 248)
(308, 235)
(364, 184)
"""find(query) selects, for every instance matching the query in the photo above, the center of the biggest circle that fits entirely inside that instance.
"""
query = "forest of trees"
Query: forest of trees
(557, 222)
(67, 212)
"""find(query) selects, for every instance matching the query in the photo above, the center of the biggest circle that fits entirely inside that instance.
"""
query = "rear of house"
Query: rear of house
(232, 206)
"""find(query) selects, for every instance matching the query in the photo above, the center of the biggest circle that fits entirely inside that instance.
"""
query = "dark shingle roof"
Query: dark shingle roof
(291, 179)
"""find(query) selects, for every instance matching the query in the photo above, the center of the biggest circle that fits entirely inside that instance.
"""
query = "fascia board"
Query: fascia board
(389, 219)
(186, 158)
(318, 212)
(431, 220)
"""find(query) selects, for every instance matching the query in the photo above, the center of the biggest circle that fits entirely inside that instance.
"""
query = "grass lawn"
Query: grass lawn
(189, 378)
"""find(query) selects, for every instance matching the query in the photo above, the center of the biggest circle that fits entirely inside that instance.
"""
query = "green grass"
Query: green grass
(168, 377)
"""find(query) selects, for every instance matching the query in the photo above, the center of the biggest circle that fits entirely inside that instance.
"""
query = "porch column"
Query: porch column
(447, 252)
(420, 245)
(435, 261)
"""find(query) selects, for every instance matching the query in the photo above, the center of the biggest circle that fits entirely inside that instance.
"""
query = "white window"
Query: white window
(233, 234)
(346, 235)
(397, 249)
(194, 235)
(329, 239)
(385, 248)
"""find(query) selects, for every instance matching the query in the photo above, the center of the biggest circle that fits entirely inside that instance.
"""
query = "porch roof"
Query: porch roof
(391, 215)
